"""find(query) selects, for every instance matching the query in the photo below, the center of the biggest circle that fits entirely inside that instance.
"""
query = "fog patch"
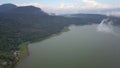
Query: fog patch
(106, 26)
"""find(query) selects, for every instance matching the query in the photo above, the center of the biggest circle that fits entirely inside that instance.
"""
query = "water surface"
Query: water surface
(81, 47)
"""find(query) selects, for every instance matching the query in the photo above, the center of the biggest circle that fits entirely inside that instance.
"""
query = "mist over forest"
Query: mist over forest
(21, 24)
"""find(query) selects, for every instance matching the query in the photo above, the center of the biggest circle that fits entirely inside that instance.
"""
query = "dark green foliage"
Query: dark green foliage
(16, 28)
(20, 25)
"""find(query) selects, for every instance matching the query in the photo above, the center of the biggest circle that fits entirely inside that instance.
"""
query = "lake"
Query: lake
(81, 47)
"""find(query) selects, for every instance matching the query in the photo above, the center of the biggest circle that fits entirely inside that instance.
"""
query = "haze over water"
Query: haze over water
(81, 47)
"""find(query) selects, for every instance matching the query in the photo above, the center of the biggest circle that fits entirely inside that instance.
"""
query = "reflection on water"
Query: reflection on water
(81, 47)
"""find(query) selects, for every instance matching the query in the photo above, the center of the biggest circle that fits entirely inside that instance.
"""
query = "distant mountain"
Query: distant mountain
(30, 24)
(111, 12)
(94, 18)
(7, 7)
(13, 9)
(80, 15)
(27, 10)
(106, 11)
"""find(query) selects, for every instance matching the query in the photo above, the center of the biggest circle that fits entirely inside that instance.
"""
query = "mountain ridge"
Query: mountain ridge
(11, 8)
(30, 24)
(6, 7)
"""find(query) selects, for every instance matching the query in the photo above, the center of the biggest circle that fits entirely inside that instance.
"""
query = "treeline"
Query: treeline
(17, 28)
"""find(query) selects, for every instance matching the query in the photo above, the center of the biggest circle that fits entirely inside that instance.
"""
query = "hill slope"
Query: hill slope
(30, 24)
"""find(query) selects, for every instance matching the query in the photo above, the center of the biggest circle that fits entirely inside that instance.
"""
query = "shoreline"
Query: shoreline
(25, 49)
(24, 53)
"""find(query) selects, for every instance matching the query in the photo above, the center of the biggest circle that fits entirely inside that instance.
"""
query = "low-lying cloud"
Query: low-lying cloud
(106, 26)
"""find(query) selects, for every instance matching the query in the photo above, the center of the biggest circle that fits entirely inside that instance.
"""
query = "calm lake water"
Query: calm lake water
(81, 47)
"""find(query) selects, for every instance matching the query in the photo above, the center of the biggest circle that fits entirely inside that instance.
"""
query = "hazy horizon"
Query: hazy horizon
(72, 6)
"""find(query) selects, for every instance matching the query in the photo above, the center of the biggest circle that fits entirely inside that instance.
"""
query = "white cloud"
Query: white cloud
(74, 7)
(56, 8)
(66, 6)
(94, 4)
(90, 2)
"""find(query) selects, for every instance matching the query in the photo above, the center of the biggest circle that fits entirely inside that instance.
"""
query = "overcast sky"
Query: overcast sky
(67, 6)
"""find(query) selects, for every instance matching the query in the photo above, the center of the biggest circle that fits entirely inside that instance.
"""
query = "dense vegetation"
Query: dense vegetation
(29, 24)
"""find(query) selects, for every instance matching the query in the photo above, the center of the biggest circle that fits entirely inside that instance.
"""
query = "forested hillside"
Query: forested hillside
(30, 24)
